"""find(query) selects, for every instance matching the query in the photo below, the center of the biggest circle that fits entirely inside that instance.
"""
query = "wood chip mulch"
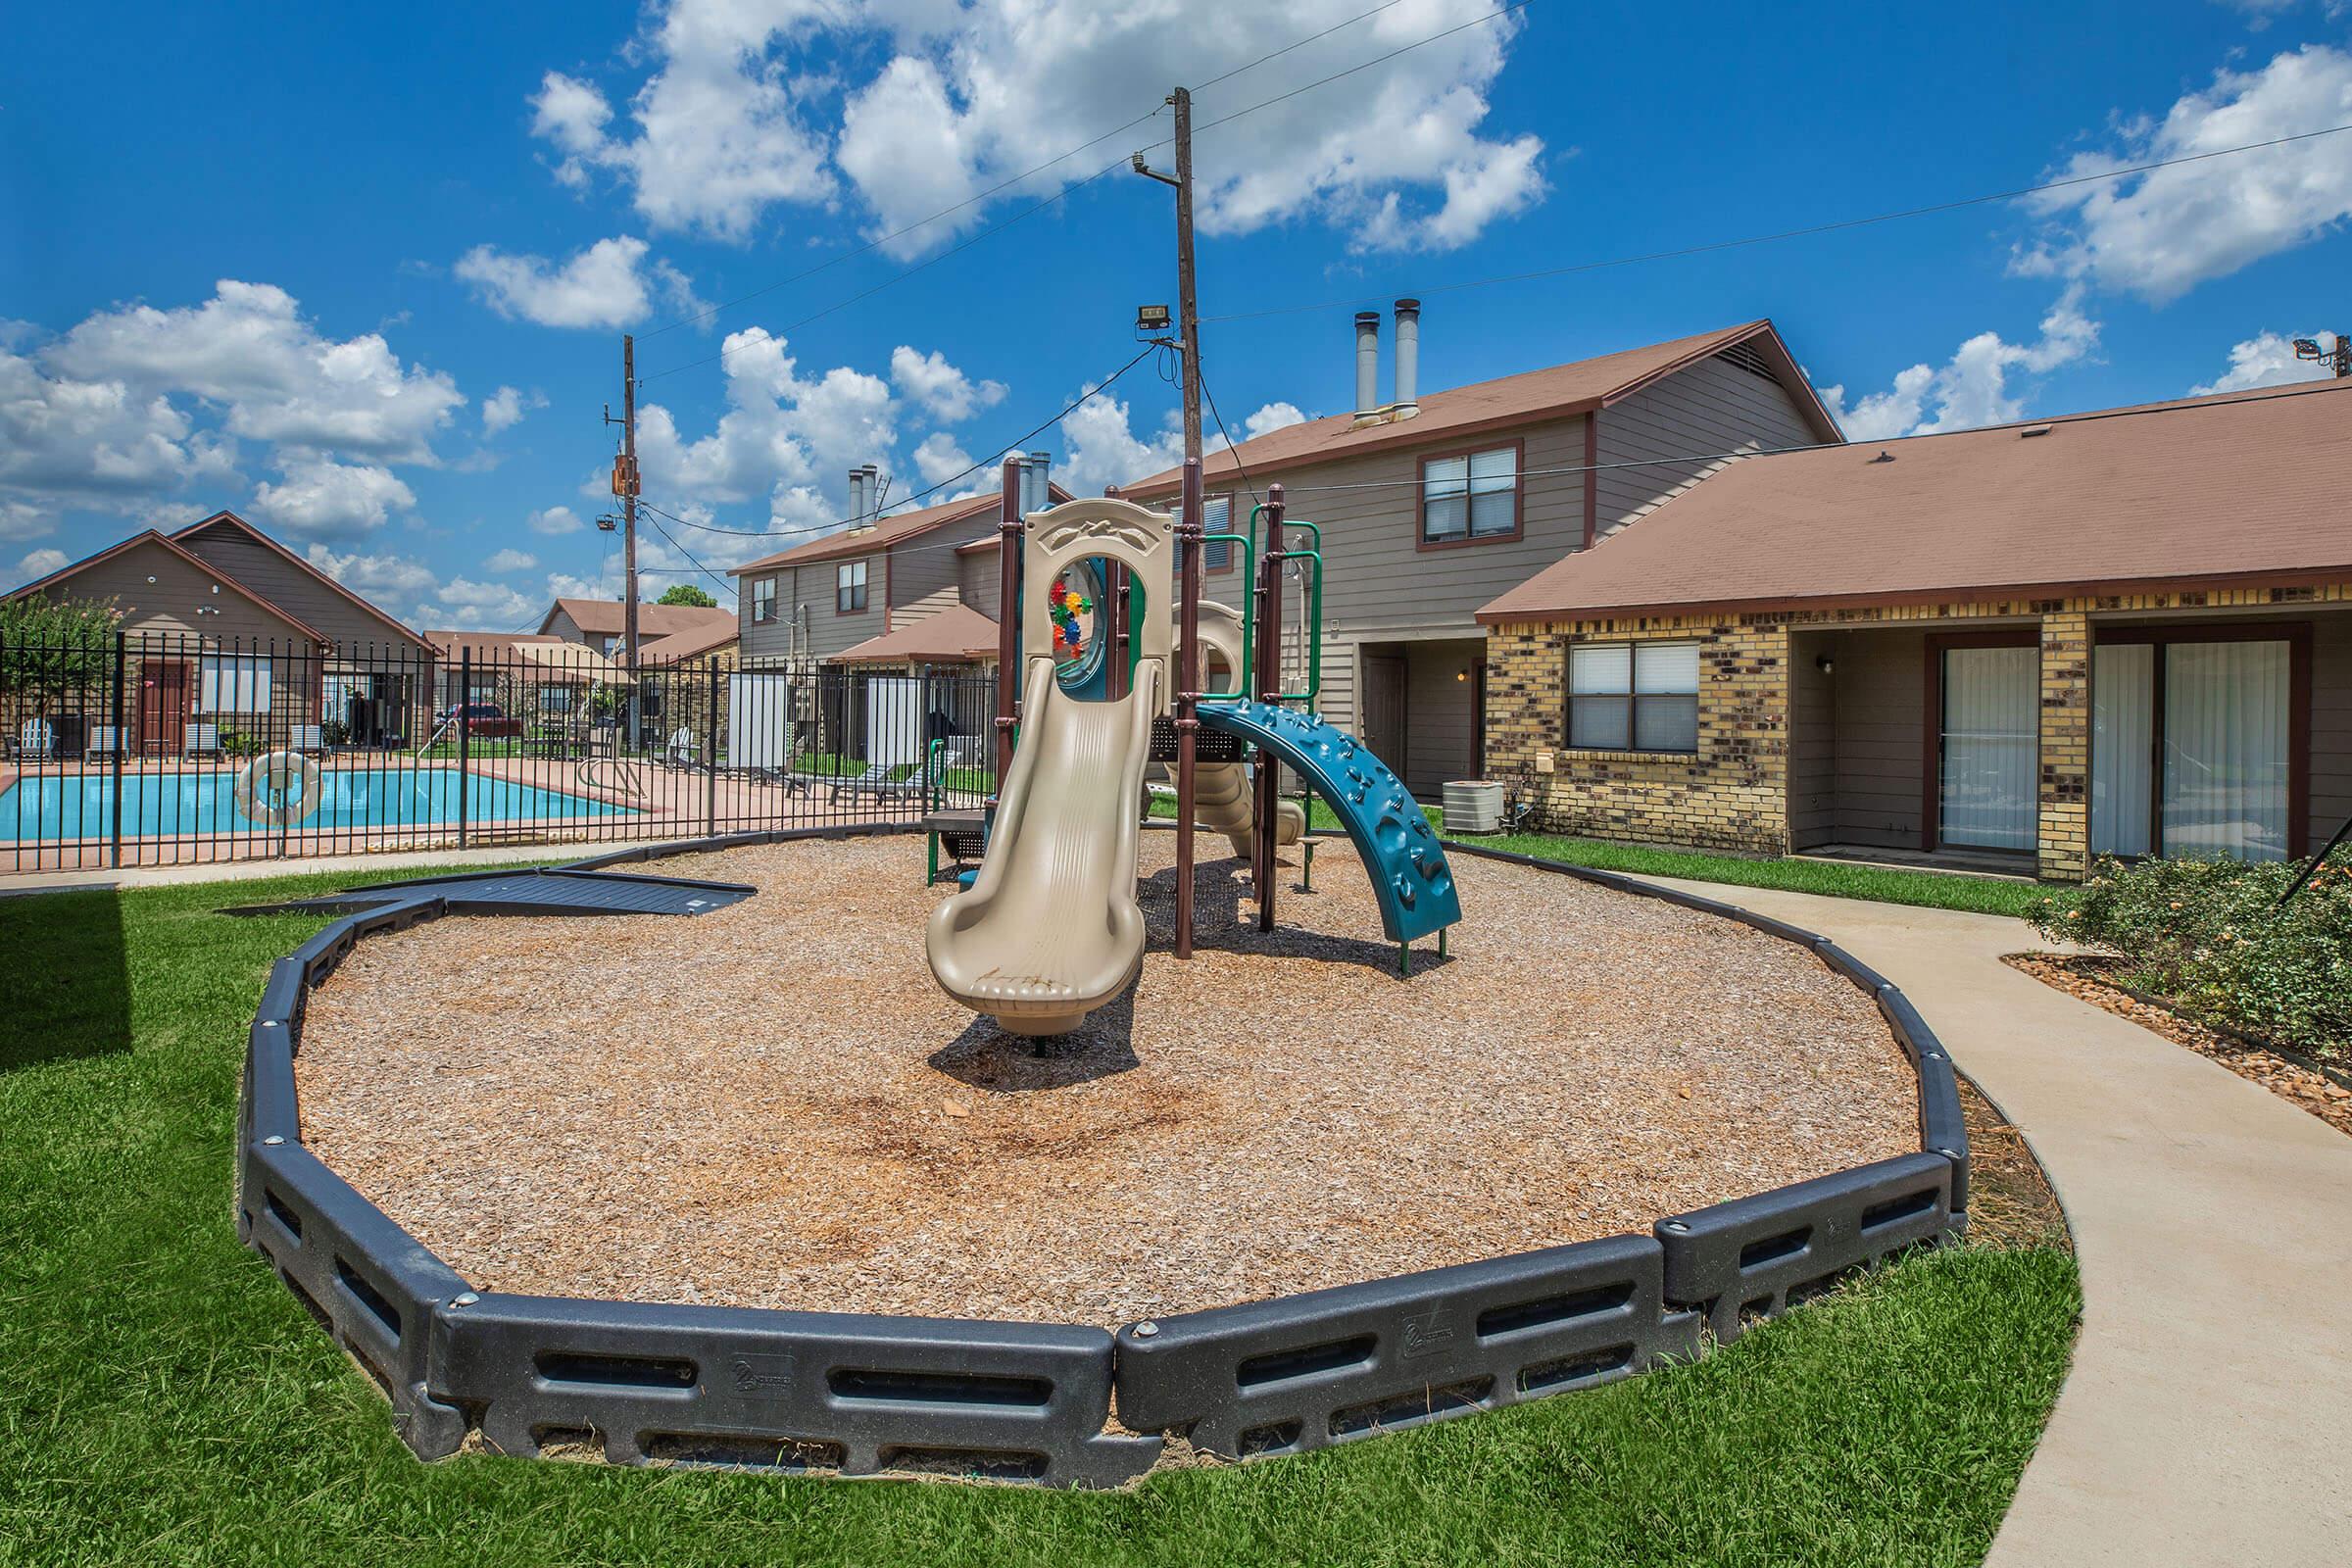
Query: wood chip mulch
(2082, 976)
(2010, 1203)
(774, 1105)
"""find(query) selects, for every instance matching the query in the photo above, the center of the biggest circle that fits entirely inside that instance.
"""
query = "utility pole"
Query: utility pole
(625, 486)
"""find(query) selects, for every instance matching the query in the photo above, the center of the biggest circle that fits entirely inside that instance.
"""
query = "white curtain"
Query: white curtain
(2224, 748)
(1989, 746)
(2123, 718)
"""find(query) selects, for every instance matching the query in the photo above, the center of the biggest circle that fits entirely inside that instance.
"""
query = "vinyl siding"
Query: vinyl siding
(271, 576)
(979, 578)
(926, 574)
(828, 632)
(169, 606)
(1879, 735)
(1712, 406)
(1812, 739)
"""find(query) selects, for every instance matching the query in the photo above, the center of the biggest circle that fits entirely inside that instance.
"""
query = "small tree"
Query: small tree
(686, 593)
(50, 647)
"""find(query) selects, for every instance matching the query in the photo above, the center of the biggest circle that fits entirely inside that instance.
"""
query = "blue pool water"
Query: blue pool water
(205, 804)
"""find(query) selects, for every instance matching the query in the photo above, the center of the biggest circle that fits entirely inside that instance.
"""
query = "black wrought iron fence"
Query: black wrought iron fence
(164, 749)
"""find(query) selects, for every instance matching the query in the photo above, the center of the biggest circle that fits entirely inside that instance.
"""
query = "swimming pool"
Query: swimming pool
(204, 804)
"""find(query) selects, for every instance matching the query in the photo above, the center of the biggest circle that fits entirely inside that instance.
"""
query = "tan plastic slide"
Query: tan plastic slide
(1050, 930)
(1223, 801)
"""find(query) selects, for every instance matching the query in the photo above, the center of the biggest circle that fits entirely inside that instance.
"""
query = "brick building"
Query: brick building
(2125, 632)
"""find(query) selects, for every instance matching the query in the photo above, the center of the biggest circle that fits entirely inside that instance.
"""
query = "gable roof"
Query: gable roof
(957, 632)
(888, 531)
(608, 618)
(454, 645)
(1557, 392)
(2243, 487)
(688, 643)
(150, 536)
(232, 520)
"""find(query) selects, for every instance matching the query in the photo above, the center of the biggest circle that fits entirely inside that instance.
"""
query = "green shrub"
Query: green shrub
(2212, 936)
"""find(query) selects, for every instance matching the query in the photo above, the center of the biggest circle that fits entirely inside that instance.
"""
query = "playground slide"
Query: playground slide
(1406, 863)
(1222, 798)
(1050, 930)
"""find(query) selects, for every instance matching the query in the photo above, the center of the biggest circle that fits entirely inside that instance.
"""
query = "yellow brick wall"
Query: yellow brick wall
(1729, 796)
(1733, 794)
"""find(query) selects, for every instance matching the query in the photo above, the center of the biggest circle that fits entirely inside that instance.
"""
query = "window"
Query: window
(555, 700)
(763, 598)
(611, 643)
(1638, 697)
(233, 683)
(1470, 496)
(1214, 517)
(848, 588)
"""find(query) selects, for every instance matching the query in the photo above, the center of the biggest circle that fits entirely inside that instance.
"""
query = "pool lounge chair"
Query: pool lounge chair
(885, 790)
(201, 739)
(36, 741)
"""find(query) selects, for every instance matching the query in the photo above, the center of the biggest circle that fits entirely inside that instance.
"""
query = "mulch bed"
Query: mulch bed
(774, 1105)
(2085, 976)
(2009, 1198)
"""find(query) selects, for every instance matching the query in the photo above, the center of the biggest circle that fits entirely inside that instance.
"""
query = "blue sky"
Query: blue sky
(363, 276)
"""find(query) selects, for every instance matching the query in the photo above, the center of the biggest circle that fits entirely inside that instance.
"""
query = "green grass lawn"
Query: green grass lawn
(167, 1400)
(1935, 890)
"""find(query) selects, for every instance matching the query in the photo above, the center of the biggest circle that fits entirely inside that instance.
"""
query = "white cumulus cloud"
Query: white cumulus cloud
(511, 560)
(936, 104)
(608, 285)
(319, 496)
(942, 390)
(555, 520)
(1273, 416)
(41, 563)
(1971, 388)
(504, 408)
(2267, 359)
(938, 459)
(2161, 233)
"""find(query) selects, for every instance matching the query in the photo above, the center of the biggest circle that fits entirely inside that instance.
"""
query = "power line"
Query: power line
(1231, 445)
(1066, 410)
(1001, 185)
(1795, 233)
(690, 556)
(1059, 195)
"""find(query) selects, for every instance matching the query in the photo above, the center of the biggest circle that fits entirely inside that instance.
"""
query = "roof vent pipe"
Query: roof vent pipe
(871, 509)
(857, 497)
(1035, 497)
(1367, 362)
(1408, 358)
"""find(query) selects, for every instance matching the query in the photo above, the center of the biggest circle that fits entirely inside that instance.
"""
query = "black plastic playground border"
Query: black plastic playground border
(849, 1393)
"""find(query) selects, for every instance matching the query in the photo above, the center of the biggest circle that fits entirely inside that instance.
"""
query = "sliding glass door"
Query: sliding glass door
(1990, 745)
(2192, 746)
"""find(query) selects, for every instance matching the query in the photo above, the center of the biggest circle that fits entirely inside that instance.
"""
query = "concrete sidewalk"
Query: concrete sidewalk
(2208, 1415)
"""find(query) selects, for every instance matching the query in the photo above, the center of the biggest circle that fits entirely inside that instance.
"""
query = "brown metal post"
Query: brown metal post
(114, 716)
(1269, 659)
(1009, 617)
(1188, 698)
(1115, 645)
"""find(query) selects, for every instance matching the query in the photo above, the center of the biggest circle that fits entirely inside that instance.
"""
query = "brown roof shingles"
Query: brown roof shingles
(1555, 392)
(2237, 488)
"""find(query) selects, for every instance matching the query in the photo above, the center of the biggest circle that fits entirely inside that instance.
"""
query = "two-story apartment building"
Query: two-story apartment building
(899, 590)
(598, 623)
(1435, 504)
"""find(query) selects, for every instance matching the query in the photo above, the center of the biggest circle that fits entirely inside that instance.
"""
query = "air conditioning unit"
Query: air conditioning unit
(1472, 806)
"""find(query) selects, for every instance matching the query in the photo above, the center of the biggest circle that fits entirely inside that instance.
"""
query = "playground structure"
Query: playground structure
(1048, 929)
(1336, 1350)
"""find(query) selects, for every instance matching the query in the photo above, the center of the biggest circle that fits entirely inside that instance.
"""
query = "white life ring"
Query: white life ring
(277, 772)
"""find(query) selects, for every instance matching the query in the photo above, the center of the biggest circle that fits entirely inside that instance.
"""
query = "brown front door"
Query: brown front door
(1384, 708)
(162, 705)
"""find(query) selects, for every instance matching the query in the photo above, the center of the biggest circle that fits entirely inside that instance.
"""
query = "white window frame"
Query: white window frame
(1660, 652)
(1477, 491)
(248, 678)
(849, 582)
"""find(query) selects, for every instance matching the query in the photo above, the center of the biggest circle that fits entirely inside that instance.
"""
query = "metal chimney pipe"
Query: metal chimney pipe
(1041, 472)
(857, 496)
(1367, 362)
(1408, 358)
(873, 492)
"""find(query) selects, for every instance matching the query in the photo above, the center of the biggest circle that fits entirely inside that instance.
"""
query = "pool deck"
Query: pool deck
(672, 804)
